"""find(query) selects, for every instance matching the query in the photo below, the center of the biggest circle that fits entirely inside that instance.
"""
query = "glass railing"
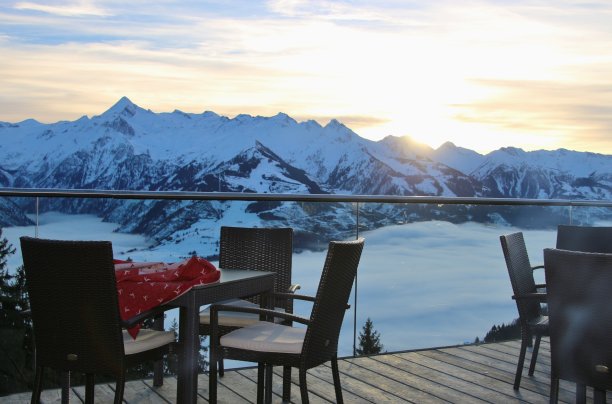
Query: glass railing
(432, 272)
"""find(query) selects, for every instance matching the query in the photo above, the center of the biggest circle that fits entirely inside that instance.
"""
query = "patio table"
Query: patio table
(233, 283)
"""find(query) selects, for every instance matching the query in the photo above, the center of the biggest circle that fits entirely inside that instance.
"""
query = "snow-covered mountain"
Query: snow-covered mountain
(130, 148)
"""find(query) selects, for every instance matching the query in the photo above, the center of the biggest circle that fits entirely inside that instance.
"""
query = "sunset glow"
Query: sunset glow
(482, 74)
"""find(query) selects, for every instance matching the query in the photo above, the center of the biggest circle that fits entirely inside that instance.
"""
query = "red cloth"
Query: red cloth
(142, 286)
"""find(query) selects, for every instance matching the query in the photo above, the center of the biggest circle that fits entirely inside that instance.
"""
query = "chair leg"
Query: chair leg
(158, 365)
(119, 389)
(212, 376)
(303, 386)
(554, 390)
(286, 384)
(268, 390)
(581, 392)
(37, 385)
(65, 376)
(336, 375)
(599, 396)
(534, 354)
(521, 362)
(260, 383)
(221, 368)
(89, 388)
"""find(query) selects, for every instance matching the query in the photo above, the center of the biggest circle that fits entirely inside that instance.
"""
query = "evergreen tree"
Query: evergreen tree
(504, 332)
(16, 345)
(171, 361)
(369, 340)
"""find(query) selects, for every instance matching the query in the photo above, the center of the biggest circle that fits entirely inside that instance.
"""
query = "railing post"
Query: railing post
(355, 295)
(36, 227)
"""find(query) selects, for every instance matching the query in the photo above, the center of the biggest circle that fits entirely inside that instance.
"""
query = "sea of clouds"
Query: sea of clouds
(424, 284)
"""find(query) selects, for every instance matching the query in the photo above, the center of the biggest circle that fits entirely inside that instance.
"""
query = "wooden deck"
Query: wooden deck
(464, 374)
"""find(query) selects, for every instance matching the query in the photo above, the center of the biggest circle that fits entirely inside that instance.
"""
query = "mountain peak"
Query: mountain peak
(334, 123)
(448, 145)
(123, 106)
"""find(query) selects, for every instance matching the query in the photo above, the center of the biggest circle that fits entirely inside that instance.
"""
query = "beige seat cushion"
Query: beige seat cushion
(236, 319)
(264, 336)
(145, 340)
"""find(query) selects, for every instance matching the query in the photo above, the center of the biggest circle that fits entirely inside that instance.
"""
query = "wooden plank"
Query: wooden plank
(529, 382)
(543, 355)
(444, 386)
(538, 388)
(463, 374)
(224, 395)
(353, 381)
(243, 383)
(102, 392)
(138, 392)
(412, 387)
(48, 396)
(313, 396)
(277, 386)
(509, 361)
(480, 384)
(166, 390)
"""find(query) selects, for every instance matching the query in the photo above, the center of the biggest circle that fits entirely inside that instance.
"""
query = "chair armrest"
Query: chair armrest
(293, 296)
(300, 297)
(26, 313)
(539, 285)
(293, 288)
(215, 308)
(539, 296)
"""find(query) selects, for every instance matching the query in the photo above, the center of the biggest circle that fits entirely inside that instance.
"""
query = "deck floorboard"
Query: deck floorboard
(481, 373)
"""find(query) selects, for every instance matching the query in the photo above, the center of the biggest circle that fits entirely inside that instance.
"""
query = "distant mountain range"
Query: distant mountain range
(130, 148)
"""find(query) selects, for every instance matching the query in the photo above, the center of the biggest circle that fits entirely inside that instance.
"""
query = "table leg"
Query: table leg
(187, 381)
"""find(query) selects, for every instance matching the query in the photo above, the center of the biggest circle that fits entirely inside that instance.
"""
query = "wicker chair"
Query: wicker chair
(528, 299)
(579, 288)
(584, 238)
(75, 314)
(260, 249)
(272, 344)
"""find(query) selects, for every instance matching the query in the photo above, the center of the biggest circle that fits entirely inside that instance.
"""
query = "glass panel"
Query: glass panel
(591, 216)
(435, 275)
(430, 275)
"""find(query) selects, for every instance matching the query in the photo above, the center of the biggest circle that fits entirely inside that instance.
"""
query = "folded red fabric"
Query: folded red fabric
(142, 286)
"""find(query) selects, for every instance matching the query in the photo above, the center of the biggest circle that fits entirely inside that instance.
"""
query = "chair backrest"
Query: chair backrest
(584, 238)
(521, 275)
(260, 249)
(75, 309)
(579, 286)
(339, 271)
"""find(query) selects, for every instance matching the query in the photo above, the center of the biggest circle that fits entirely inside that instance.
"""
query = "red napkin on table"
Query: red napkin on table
(142, 286)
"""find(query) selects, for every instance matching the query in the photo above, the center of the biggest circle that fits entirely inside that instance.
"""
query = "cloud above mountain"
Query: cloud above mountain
(431, 70)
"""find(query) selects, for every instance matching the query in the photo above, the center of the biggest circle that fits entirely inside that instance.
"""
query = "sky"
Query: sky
(482, 74)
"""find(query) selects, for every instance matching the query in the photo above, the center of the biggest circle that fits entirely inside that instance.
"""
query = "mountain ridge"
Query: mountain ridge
(131, 148)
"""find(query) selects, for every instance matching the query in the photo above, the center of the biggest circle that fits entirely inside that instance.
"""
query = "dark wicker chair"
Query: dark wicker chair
(584, 238)
(528, 299)
(259, 249)
(272, 344)
(579, 287)
(75, 314)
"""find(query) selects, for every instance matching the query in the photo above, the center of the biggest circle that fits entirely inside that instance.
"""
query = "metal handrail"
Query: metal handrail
(248, 196)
